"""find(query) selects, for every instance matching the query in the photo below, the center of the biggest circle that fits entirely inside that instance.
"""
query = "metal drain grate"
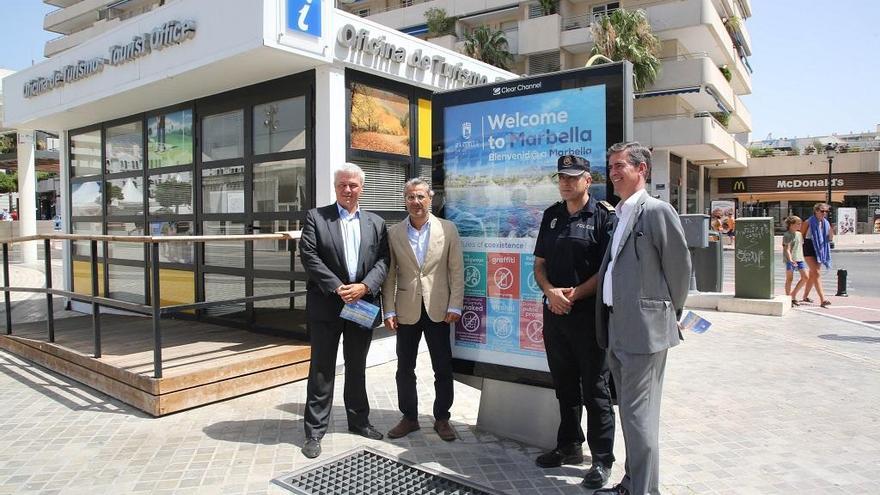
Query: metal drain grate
(369, 472)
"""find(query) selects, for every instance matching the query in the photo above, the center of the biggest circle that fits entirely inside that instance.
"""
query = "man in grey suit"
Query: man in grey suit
(344, 251)
(644, 283)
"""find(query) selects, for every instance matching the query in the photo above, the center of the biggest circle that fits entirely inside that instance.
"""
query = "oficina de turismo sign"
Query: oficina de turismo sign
(162, 36)
(359, 40)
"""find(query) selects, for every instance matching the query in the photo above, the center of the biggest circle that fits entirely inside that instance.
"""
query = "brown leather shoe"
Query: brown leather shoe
(403, 428)
(442, 427)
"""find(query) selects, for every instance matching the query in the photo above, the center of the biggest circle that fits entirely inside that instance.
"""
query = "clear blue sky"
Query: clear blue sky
(815, 62)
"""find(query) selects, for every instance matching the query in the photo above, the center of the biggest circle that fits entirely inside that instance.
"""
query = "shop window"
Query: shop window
(274, 254)
(171, 193)
(228, 254)
(220, 287)
(424, 123)
(83, 248)
(85, 154)
(125, 250)
(379, 120)
(174, 252)
(383, 189)
(124, 148)
(126, 283)
(170, 139)
(280, 186)
(85, 199)
(223, 190)
(125, 196)
(280, 126)
(223, 136)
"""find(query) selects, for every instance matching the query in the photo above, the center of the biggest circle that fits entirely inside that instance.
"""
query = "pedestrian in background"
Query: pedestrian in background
(817, 250)
(793, 255)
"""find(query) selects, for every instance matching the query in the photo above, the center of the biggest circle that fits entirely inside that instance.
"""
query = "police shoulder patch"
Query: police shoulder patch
(607, 206)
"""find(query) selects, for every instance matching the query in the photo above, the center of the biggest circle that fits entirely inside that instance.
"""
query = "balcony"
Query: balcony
(74, 18)
(695, 137)
(61, 43)
(575, 35)
(60, 3)
(397, 17)
(696, 79)
(741, 119)
(697, 25)
(539, 35)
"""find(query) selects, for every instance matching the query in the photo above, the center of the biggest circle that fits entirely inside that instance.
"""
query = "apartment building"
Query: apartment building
(692, 115)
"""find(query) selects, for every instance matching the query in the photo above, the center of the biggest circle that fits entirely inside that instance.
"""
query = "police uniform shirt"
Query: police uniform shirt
(573, 245)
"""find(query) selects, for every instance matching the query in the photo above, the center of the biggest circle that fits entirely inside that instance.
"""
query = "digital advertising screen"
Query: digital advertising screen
(497, 146)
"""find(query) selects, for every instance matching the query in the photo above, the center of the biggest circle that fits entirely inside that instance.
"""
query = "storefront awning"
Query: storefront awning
(687, 90)
(415, 30)
(668, 92)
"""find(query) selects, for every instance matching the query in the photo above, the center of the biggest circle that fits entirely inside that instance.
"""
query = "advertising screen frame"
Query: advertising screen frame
(617, 81)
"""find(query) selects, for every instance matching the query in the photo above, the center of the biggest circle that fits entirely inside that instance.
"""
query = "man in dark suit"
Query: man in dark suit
(344, 251)
(644, 284)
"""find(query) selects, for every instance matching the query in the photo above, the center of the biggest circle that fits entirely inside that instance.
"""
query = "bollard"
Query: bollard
(841, 283)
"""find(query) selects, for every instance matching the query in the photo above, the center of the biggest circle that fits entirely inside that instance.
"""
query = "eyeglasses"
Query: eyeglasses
(416, 197)
(824, 211)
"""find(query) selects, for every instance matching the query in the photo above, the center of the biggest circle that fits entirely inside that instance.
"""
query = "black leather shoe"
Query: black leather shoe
(597, 476)
(312, 448)
(559, 456)
(367, 432)
(614, 490)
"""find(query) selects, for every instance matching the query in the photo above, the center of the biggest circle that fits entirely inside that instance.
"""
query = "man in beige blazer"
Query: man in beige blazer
(423, 293)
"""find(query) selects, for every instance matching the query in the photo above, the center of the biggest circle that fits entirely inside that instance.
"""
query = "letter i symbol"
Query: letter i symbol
(303, 12)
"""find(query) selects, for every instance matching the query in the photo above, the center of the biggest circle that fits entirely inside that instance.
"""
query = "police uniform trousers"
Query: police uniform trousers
(324, 338)
(440, 349)
(581, 378)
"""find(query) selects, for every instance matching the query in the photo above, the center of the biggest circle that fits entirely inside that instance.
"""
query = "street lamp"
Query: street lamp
(830, 152)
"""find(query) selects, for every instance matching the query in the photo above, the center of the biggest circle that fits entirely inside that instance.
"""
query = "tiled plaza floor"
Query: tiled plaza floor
(757, 405)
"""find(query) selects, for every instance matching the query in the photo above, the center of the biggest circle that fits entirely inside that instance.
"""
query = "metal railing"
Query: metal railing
(153, 309)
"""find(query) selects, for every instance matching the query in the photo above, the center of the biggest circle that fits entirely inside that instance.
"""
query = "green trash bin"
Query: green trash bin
(708, 265)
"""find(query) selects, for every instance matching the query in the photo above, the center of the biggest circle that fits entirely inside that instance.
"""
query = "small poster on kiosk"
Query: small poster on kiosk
(498, 146)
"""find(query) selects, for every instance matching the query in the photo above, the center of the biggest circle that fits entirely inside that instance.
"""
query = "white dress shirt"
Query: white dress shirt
(624, 212)
(350, 223)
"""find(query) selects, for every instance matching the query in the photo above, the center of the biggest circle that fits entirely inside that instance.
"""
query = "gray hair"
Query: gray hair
(349, 169)
(418, 182)
(635, 152)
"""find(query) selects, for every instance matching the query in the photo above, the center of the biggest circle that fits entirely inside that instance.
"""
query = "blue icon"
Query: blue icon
(304, 16)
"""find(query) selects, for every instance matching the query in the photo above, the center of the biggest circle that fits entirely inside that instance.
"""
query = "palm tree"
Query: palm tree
(548, 6)
(626, 35)
(488, 46)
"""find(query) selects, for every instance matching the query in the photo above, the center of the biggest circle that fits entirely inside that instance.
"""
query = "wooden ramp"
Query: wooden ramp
(202, 363)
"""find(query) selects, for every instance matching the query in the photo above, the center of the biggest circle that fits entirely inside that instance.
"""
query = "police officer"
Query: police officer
(571, 242)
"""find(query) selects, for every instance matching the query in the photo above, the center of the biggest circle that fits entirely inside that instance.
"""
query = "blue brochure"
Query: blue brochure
(360, 312)
(694, 323)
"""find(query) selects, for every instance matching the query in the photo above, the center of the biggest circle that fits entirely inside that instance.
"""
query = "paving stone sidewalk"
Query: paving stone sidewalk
(757, 405)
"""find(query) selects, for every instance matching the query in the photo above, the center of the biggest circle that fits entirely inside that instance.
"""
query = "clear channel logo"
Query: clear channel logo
(504, 90)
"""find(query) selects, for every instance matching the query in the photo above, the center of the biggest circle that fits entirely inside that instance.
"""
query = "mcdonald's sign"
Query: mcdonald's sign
(733, 185)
